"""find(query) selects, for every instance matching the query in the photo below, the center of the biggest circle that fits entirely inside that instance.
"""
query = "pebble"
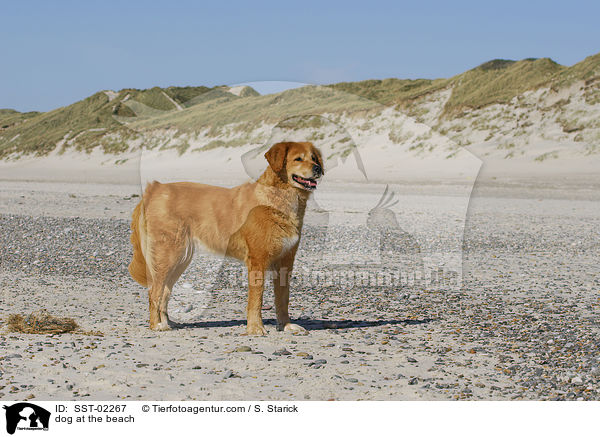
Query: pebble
(243, 349)
(11, 356)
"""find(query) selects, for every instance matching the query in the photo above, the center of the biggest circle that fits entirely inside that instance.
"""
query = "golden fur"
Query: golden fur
(258, 223)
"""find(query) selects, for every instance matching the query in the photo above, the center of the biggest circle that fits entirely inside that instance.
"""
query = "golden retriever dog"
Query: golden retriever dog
(258, 223)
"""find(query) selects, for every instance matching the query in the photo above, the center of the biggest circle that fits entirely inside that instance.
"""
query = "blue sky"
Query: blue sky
(55, 53)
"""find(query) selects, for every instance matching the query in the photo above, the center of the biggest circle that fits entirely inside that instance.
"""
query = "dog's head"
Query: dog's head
(298, 164)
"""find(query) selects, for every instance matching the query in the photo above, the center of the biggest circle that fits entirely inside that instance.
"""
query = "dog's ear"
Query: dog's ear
(276, 156)
(317, 153)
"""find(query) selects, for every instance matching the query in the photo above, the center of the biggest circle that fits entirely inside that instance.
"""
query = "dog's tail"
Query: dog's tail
(137, 267)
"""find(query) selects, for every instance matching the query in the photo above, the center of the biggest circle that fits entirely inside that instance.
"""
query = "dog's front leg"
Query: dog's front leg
(256, 279)
(281, 287)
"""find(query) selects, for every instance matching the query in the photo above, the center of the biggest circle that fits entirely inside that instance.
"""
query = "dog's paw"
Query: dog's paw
(162, 326)
(294, 329)
(256, 330)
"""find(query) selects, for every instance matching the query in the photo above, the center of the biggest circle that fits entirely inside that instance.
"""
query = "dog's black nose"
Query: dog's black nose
(317, 170)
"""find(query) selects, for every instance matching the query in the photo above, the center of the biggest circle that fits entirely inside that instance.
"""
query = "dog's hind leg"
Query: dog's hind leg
(168, 263)
(155, 295)
(172, 278)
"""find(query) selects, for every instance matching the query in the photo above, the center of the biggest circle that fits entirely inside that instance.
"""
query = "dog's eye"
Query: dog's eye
(298, 159)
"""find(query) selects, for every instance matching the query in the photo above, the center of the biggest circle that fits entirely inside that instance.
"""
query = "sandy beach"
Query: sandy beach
(521, 324)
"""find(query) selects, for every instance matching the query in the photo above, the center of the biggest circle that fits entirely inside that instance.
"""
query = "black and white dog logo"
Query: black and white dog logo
(26, 416)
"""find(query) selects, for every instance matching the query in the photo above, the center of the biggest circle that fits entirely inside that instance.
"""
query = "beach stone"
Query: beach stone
(243, 349)
(11, 356)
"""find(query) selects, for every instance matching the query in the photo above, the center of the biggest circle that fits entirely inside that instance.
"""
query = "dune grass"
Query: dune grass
(391, 91)
(10, 117)
(495, 81)
(40, 134)
(41, 322)
(587, 70)
(499, 81)
(84, 124)
(182, 95)
(251, 112)
(88, 123)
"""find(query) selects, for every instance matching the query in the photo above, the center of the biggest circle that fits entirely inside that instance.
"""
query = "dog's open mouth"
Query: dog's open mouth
(309, 184)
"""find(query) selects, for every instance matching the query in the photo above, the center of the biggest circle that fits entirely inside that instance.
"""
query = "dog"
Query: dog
(259, 223)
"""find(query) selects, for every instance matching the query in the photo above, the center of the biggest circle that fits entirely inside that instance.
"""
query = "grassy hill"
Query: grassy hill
(252, 111)
(110, 120)
(10, 117)
(390, 91)
(499, 81)
(496, 81)
(91, 122)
